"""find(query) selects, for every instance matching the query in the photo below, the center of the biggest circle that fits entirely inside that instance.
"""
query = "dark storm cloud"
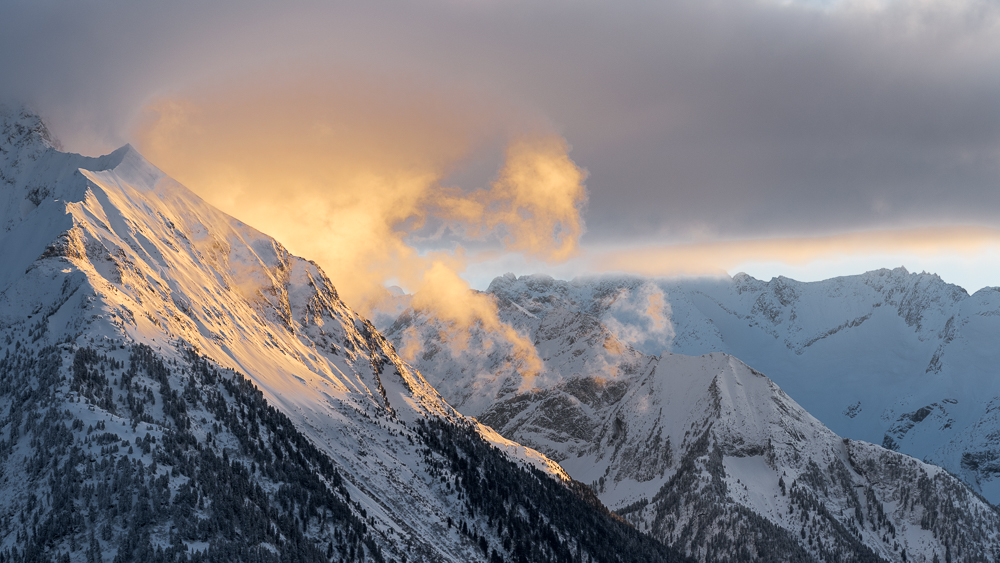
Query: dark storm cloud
(803, 121)
(694, 119)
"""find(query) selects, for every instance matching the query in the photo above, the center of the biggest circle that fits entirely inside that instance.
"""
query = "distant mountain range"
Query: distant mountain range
(704, 451)
(903, 360)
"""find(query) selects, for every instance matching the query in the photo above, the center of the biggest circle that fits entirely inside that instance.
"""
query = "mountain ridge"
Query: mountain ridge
(890, 357)
(160, 350)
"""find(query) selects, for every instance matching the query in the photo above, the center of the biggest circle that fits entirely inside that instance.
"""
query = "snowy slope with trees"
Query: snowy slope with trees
(175, 385)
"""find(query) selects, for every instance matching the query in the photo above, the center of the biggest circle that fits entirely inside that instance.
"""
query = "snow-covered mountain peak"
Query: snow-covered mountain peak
(745, 402)
(129, 165)
(22, 132)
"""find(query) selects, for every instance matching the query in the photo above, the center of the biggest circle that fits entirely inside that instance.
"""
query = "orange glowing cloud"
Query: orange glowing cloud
(535, 201)
(447, 297)
(344, 172)
(715, 258)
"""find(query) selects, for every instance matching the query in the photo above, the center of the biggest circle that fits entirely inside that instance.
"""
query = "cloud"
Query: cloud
(347, 170)
(718, 119)
(758, 119)
(536, 201)
(447, 298)
(641, 317)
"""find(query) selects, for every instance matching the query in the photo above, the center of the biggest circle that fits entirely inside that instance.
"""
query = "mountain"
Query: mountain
(174, 385)
(896, 358)
(703, 452)
(891, 357)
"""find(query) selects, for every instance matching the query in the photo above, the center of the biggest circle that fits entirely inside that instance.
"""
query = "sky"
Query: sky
(444, 142)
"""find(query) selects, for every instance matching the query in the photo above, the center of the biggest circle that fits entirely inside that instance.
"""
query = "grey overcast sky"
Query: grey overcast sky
(698, 122)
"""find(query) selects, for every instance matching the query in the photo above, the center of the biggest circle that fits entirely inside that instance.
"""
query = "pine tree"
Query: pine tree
(94, 551)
